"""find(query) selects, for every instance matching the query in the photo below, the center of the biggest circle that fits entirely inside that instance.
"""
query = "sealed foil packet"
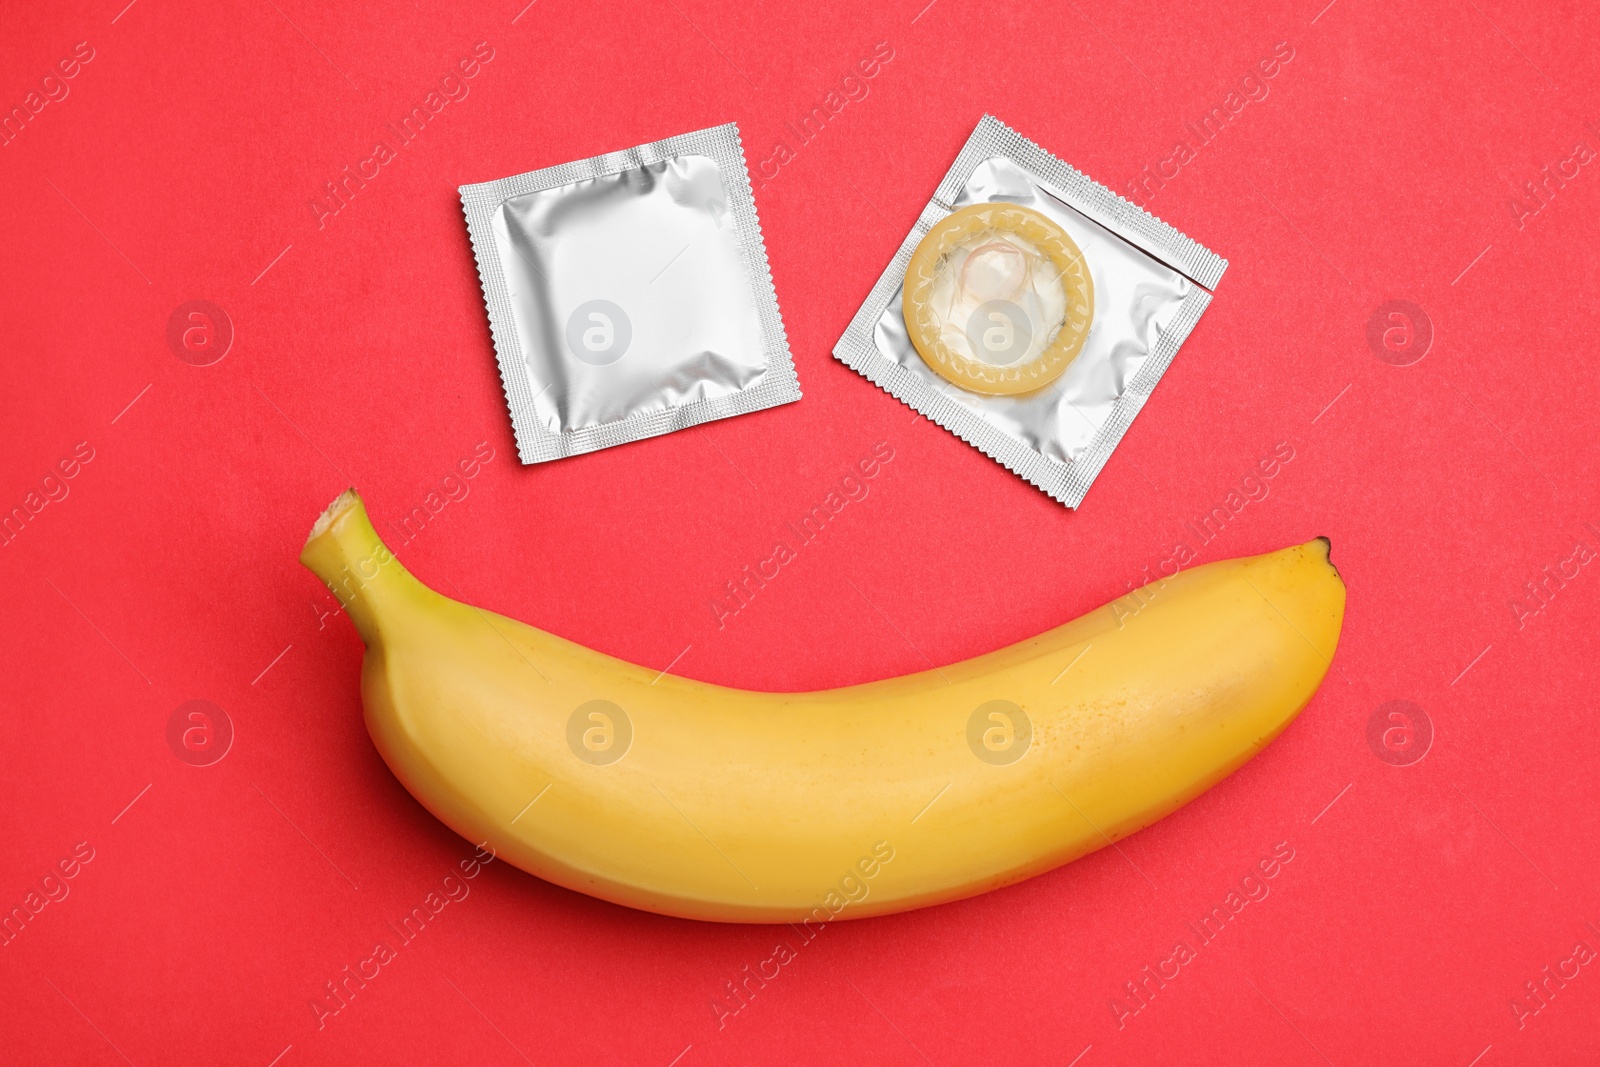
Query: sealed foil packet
(629, 294)
(1030, 311)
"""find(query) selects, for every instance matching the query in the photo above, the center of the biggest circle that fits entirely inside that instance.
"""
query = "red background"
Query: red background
(1379, 167)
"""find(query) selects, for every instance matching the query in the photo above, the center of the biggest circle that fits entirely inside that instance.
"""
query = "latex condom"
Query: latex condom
(998, 299)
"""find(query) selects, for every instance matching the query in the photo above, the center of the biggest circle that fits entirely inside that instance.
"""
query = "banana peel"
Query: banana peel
(696, 800)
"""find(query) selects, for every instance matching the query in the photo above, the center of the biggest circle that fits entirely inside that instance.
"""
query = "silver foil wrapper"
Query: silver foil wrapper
(629, 294)
(1150, 285)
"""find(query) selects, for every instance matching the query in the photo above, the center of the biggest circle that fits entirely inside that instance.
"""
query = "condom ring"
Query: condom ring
(999, 256)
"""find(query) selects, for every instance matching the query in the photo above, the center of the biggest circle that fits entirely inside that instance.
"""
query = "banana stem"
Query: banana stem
(354, 563)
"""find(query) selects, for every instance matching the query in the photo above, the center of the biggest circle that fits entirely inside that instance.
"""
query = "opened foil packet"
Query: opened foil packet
(1030, 311)
(629, 294)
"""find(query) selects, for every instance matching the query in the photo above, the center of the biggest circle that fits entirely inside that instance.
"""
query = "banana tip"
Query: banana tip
(1327, 554)
(342, 503)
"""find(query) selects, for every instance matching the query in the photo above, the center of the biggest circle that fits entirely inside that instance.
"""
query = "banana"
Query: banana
(696, 800)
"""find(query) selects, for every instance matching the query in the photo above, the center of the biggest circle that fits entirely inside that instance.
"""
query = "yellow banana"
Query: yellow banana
(696, 800)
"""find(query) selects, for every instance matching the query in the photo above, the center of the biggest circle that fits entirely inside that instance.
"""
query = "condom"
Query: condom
(997, 299)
